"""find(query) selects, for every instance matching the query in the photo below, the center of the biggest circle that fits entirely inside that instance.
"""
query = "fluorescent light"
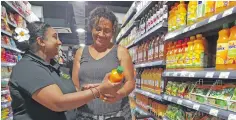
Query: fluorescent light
(80, 30)
(82, 45)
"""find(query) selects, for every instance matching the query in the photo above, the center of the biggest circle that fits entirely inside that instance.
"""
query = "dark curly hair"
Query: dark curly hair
(99, 12)
(36, 29)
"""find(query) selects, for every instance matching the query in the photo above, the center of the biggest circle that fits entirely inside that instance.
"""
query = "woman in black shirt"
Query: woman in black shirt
(37, 91)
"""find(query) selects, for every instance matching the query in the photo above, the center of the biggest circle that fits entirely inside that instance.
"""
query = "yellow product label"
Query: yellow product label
(210, 8)
(232, 52)
(221, 4)
(198, 58)
(221, 53)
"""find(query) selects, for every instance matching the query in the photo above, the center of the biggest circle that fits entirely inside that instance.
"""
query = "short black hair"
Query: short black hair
(99, 12)
(36, 29)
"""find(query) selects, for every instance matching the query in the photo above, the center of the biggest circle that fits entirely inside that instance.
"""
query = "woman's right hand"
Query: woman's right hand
(106, 87)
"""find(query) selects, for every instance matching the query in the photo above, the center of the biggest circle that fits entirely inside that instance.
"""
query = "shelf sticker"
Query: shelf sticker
(175, 74)
(209, 74)
(179, 101)
(191, 74)
(213, 18)
(214, 112)
(232, 117)
(228, 12)
(169, 98)
(167, 73)
(196, 107)
(193, 26)
(183, 74)
(185, 29)
(165, 97)
(224, 75)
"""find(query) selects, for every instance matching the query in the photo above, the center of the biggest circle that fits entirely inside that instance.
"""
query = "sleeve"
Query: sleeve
(32, 78)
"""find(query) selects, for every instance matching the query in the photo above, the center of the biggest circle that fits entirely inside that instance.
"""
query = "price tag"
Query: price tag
(224, 75)
(169, 98)
(196, 107)
(185, 29)
(214, 112)
(175, 74)
(228, 12)
(209, 74)
(165, 97)
(179, 102)
(183, 74)
(167, 73)
(193, 26)
(232, 117)
(213, 18)
(191, 74)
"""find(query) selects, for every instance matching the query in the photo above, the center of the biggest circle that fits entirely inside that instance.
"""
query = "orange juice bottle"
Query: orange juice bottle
(231, 61)
(116, 75)
(232, 3)
(198, 53)
(161, 47)
(192, 12)
(181, 15)
(222, 48)
(178, 53)
(188, 59)
(210, 8)
(175, 55)
(156, 48)
(221, 6)
(184, 53)
(172, 55)
(168, 55)
(175, 11)
(170, 19)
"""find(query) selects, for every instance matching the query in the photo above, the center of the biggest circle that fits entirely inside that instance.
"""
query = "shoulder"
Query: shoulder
(122, 52)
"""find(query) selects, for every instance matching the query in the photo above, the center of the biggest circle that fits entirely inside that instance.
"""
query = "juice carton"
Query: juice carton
(231, 57)
(222, 48)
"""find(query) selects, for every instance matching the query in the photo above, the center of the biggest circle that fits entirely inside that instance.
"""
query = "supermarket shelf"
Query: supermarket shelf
(144, 10)
(12, 24)
(148, 94)
(161, 27)
(5, 105)
(11, 48)
(126, 33)
(3, 92)
(206, 25)
(205, 73)
(10, 6)
(140, 111)
(7, 64)
(165, 118)
(150, 64)
(10, 118)
(129, 18)
(5, 79)
(217, 112)
(6, 33)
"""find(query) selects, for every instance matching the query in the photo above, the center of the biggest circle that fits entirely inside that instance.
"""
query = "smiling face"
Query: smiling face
(102, 32)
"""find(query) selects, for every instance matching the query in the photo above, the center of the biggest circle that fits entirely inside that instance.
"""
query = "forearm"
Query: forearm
(127, 88)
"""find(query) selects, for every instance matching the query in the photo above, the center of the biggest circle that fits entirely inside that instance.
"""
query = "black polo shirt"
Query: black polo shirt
(29, 75)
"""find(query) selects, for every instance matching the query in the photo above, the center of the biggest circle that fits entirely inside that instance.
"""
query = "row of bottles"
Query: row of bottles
(182, 14)
(149, 79)
(151, 50)
(188, 53)
(155, 15)
(226, 48)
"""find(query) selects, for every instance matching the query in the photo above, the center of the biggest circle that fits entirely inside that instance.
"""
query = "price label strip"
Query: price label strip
(183, 74)
(167, 73)
(213, 18)
(179, 101)
(228, 12)
(209, 74)
(191, 74)
(232, 117)
(175, 74)
(185, 29)
(169, 98)
(196, 107)
(193, 26)
(224, 75)
(214, 112)
(165, 97)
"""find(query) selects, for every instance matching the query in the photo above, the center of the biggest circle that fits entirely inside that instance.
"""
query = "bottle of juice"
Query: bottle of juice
(181, 15)
(172, 55)
(153, 80)
(170, 19)
(175, 55)
(168, 55)
(201, 10)
(161, 47)
(198, 53)
(192, 12)
(178, 53)
(222, 48)
(175, 11)
(150, 49)
(116, 75)
(221, 6)
(188, 59)
(184, 53)
(232, 3)
(156, 48)
(231, 61)
(210, 8)
(146, 50)
(143, 53)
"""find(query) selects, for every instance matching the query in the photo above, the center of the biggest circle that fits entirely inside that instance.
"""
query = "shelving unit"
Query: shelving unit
(8, 64)
(6, 33)
(149, 94)
(129, 18)
(150, 64)
(142, 11)
(125, 33)
(11, 48)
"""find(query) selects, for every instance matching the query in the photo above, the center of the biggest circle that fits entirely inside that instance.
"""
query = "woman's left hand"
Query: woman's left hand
(111, 99)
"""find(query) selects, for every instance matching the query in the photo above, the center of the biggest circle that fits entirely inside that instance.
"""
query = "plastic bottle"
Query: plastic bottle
(231, 61)
(168, 55)
(198, 53)
(146, 51)
(189, 56)
(175, 12)
(181, 15)
(173, 53)
(184, 53)
(156, 48)
(161, 47)
(221, 6)
(150, 50)
(232, 3)
(116, 75)
(210, 8)
(178, 53)
(222, 48)
(200, 10)
(170, 19)
(192, 12)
